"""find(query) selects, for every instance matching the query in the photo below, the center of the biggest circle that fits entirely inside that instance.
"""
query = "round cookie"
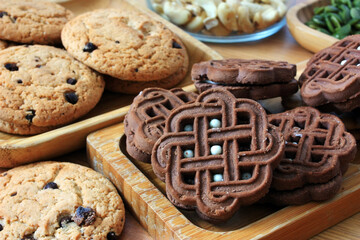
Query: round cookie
(42, 87)
(58, 200)
(125, 45)
(217, 154)
(134, 87)
(31, 21)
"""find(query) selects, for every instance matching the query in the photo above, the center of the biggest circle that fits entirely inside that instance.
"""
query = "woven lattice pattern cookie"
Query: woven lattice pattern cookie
(145, 122)
(318, 151)
(217, 154)
(332, 76)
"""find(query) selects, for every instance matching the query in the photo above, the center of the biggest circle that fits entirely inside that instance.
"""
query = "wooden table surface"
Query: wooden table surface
(280, 46)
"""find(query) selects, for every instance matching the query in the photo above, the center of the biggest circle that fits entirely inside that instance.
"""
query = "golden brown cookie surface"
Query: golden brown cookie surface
(43, 87)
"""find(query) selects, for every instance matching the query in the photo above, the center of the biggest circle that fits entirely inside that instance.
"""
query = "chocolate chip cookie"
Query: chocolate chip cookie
(43, 87)
(58, 200)
(31, 21)
(125, 45)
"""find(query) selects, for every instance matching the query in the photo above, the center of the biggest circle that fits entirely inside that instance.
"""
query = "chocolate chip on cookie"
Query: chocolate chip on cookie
(11, 66)
(71, 81)
(84, 216)
(2, 13)
(30, 114)
(71, 97)
(51, 185)
(89, 47)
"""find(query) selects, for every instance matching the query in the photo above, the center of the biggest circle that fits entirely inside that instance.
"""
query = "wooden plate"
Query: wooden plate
(307, 37)
(110, 110)
(146, 198)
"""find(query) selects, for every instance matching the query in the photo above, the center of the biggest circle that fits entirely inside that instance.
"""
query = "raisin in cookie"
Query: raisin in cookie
(125, 45)
(42, 87)
(58, 200)
(31, 21)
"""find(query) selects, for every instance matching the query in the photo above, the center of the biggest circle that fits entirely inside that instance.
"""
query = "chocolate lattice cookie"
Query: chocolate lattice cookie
(332, 76)
(217, 154)
(317, 153)
(145, 122)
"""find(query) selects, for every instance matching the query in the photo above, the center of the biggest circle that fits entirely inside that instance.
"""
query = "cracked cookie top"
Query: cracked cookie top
(42, 87)
(125, 45)
(58, 200)
(31, 21)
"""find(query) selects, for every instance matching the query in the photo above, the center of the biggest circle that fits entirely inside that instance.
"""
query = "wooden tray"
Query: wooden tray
(307, 37)
(110, 110)
(145, 195)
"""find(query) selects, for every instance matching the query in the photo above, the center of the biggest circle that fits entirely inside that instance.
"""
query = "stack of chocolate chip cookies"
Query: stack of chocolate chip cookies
(132, 50)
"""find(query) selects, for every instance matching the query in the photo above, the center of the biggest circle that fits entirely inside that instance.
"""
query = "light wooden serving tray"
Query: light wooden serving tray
(146, 198)
(145, 195)
(110, 110)
(307, 37)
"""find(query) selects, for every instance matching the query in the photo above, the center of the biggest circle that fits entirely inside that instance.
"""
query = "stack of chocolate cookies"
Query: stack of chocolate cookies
(254, 79)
